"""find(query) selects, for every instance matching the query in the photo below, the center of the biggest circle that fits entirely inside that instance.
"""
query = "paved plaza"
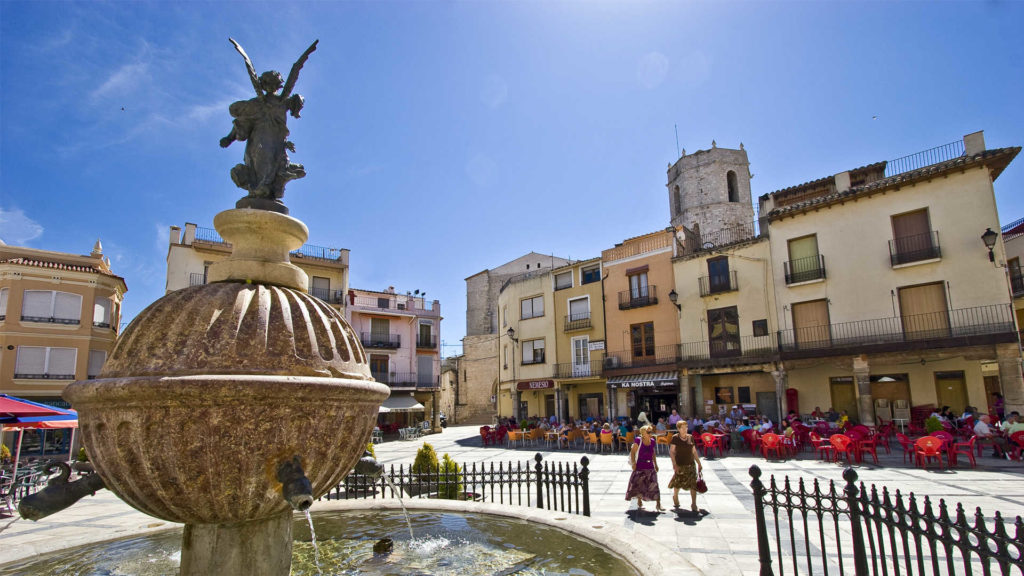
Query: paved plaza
(722, 537)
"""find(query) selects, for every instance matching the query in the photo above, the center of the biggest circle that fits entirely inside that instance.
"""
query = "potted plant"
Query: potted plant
(932, 424)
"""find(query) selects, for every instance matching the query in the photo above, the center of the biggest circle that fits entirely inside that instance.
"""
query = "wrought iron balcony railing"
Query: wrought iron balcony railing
(729, 351)
(579, 321)
(718, 283)
(804, 269)
(396, 379)
(372, 340)
(51, 320)
(638, 298)
(1017, 283)
(658, 355)
(196, 279)
(925, 158)
(579, 370)
(328, 295)
(426, 341)
(914, 248)
(44, 376)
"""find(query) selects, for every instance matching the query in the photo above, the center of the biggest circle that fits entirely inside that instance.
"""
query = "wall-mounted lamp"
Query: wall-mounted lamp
(989, 238)
(674, 298)
(512, 335)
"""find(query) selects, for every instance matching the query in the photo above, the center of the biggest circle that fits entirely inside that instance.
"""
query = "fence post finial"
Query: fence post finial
(540, 479)
(764, 553)
(853, 502)
(585, 481)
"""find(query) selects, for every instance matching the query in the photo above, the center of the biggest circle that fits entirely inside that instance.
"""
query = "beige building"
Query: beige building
(59, 319)
(194, 248)
(526, 310)
(1013, 241)
(580, 386)
(884, 291)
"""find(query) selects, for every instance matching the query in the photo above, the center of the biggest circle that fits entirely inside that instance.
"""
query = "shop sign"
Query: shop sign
(535, 385)
(596, 345)
(646, 384)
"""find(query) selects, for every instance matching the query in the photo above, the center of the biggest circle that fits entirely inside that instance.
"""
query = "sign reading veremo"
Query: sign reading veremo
(535, 385)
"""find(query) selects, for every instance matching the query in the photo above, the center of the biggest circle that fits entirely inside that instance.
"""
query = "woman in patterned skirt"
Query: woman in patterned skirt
(683, 453)
(643, 482)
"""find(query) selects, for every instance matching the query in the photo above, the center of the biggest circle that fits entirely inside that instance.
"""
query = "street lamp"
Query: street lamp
(989, 238)
(674, 298)
(512, 335)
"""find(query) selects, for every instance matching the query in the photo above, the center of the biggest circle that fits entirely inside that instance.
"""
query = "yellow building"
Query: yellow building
(59, 319)
(526, 339)
(580, 386)
(1013, 242)
(642, 326)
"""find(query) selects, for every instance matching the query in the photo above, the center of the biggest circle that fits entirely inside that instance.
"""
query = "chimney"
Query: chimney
(175, 236)
(842, 181)
(974, 143)
(190, 234)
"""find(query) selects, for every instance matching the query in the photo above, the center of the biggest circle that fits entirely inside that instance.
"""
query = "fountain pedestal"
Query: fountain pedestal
(253, 548)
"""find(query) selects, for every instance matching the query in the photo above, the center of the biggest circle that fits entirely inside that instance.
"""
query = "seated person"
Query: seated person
(831, 415)
(1013, 423)
(817, 413)
(623, 429)
(766, 425)
(984, 432)
(744, 426)
(736, 413)
(844, 419)
(661, 426)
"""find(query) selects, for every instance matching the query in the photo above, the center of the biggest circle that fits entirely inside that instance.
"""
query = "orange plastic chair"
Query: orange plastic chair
(607, 439)
(591, 440)
(663, 440)
(771, 442)
(926, 448)
(842, 444)
(536, 435)
(515, 436)
(627, 440)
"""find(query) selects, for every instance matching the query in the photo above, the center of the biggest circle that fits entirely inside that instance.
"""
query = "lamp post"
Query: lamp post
(511, 333)
(673, 296)
(989, 238)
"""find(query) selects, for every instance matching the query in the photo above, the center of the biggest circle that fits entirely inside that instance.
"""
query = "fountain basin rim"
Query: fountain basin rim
(650, 559)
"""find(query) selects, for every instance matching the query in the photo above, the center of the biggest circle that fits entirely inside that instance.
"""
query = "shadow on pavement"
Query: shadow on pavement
(690, 517)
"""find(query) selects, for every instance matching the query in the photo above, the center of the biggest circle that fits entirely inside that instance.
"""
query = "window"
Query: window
(811, 324)
(101, 313)
(425, 338)
(913, 239)
(96, 360)
(563, 280)
(533, 352)
(51, 306)
(383, 302)
(3, 303)
(804, 262)
(579, 314)
(504, 316)
(743, 394)
(761, 327)
(321, 288)
(724, 332)
(734, 189)
(923, 311)
(718, 274)
(46, 363)
(1016, 281)
(638, 286)
(642, 337)
(532, 307)
(590, 274)
(506, 356)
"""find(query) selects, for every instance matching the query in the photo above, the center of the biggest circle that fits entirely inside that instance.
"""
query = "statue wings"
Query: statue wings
(293, 76)
(249, 67)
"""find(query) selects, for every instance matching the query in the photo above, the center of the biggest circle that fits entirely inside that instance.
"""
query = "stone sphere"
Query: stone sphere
(211, 388)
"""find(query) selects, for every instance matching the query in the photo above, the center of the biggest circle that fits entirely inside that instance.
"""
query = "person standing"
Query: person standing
(643, 482)
(683, 453)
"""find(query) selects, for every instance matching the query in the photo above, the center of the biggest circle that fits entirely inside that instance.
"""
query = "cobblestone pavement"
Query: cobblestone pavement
(721, 537)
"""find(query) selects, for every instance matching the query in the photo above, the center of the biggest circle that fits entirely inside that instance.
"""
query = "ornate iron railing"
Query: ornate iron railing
(426, 341)
(396, 379)
(814, 529)
(715, 238)
(646, 296)
(659, 355)
(196, 279)
(1017, 283)
(718, 283)
(584, 370)
(744, 349)
(914, 248)
(924, 158)
(558, 486)
(372, 340)
(579, 321)
(804, 269)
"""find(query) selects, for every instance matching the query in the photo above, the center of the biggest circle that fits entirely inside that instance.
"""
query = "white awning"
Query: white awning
(649, 380)
(401, 404)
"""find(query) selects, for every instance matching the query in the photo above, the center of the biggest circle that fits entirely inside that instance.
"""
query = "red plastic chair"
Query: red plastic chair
(885, 432)
(710, 443)
(821, 447)
(843, 444)
(752, 439)
(867, 445)
(965, 449)
(771, 442)
(1017, 438)
(486, 436)
(927, 448)
(908, 447)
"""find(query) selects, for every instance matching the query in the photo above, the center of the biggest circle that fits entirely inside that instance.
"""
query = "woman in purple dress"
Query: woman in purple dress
(643, 482)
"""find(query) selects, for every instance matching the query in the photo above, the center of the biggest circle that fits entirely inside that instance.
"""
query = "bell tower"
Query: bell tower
(711, 189)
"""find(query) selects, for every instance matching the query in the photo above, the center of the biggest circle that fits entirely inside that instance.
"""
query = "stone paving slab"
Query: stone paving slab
(721, 540)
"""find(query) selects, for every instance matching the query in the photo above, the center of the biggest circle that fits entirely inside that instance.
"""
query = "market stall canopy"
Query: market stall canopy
(12, 407)
(401, 404)
(69, 420)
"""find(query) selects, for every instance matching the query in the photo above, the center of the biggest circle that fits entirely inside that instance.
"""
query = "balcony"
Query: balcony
(744, 350)
(306, 251)
(101, 325)
(914, 248)
(381, 341)
(1017, 283)
(51, 320)
(426, 342)
(579, 321)
(395, 303)
(805, 269)
(659, 355)
(589, 369)
(645, 296)
(950, 328)
(328, 295)
(18, 375)
(196, 279)
(396, 379)
(718, 284)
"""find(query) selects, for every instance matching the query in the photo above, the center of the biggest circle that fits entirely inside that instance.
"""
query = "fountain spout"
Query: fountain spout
(368, 466)
(295, 487)
(59, 493)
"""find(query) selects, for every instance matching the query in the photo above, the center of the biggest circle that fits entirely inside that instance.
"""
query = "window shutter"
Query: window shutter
(67, 306)
(62, 361)
(101, 311)
(806, 247)
(31, 360)
(37, 303)
(3, 301)
(579, 308)
(96, 360)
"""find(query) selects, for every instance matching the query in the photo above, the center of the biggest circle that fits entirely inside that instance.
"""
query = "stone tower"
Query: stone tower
(711, 189)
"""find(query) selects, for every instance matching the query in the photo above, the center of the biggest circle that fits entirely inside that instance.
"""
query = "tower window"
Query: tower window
(734, 189)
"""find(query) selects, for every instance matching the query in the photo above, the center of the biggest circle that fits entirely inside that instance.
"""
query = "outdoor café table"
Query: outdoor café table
(551, 436)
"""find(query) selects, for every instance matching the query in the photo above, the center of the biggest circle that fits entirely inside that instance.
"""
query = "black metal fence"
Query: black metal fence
(804, 269)
(914, 248)
(639, 297)
(558, 486)
(925, 158)
(718, 283)
(815, 530)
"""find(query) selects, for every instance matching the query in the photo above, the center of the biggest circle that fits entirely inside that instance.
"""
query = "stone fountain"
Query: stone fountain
(229, 405)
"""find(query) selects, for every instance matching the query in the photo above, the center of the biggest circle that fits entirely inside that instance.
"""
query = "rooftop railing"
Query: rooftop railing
(211, 236)
(731, 235)
(924, 158)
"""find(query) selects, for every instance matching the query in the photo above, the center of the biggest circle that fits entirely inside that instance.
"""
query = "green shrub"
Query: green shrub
(5, 452)
(524, 424)
(932, 424)
(82, 456)
(450, 487)
(426, 460)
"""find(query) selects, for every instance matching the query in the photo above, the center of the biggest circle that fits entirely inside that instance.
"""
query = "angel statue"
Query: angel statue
(262, 123)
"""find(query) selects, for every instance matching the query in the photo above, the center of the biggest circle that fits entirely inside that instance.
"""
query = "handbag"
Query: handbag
(702, 486)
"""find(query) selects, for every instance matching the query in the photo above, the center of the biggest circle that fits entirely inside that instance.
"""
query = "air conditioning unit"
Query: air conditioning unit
(611, 362)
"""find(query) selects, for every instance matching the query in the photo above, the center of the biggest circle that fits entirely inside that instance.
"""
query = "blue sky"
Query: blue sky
(441, 139)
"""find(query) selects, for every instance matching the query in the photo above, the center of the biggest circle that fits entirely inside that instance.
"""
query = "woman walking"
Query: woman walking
(683, 453)
(643, 482)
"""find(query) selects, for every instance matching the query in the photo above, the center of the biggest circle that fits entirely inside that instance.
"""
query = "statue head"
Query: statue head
(271, 81)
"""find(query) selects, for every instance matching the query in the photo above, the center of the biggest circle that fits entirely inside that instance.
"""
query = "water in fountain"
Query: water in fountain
(312, 539)
(398, 494)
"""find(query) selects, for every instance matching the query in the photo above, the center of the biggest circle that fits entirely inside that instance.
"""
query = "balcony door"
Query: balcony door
(923, 311)
(425, 370)
(379, 367)
(811, 324)
(912, 237)
(642, 337)
(425, 329)
(804, 263)
(581, 356)
(321, 288)
(380, 331)
(724, 332)
(718, 274)
(638, 286)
